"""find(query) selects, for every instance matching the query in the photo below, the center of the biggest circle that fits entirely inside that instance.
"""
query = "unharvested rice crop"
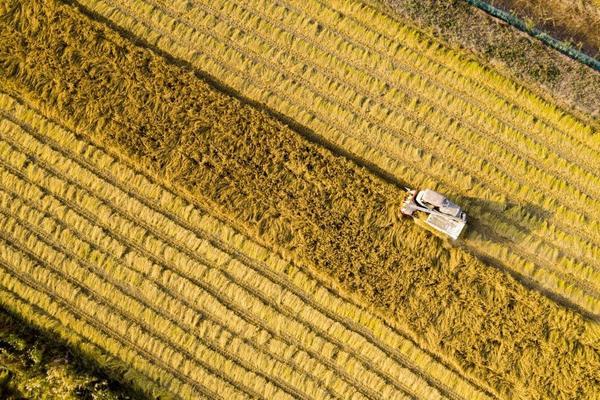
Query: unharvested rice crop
(199, 247)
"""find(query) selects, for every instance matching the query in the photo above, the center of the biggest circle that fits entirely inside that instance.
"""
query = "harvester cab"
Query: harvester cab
(442, 215)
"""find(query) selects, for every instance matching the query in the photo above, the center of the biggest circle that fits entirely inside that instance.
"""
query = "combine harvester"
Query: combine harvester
(442, 215)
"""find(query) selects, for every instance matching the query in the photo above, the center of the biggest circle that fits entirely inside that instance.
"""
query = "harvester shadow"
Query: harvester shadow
(509, 214)
(523, 218)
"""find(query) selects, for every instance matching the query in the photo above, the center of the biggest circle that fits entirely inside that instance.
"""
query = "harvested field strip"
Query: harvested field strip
(152, 313)
(64, 212)
(512, 149)
(510, 161)
(179, 307)
(433, 59)
(296, 198)
(538, 250)
(260, 48)
(577, 293)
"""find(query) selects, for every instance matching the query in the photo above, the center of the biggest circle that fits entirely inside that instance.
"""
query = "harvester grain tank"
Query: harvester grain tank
(442, 215)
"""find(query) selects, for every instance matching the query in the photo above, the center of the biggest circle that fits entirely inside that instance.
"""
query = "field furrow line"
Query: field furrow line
(574, 219)
(133, 264)
(411, 89)
(497, 146)
(162, 262)
(116, 268)
(66, 252)
(39, 317)
(171, 285)
(100, 324)
(417, 46)
(228, 303)
(116, 298)
(249, 287)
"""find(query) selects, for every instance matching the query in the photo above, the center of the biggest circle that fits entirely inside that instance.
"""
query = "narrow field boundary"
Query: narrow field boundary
(537, 33)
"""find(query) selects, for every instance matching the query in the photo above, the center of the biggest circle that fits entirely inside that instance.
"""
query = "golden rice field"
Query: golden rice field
(527, 172)
(203, 197)
(118, 262)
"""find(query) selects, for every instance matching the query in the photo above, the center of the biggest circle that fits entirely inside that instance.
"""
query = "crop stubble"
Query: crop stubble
(296, 197)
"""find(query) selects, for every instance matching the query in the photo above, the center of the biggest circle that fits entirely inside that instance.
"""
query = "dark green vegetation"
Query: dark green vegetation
(296, 197)
(34, 366)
